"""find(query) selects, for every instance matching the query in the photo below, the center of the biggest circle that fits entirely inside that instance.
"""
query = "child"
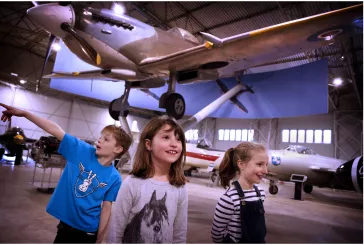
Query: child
(151, 206)
(239, 214)
(89, 180)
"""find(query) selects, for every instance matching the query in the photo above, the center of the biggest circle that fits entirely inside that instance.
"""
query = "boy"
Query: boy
(89, 180)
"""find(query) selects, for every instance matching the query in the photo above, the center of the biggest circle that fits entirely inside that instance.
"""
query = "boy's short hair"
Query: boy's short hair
(121, 136)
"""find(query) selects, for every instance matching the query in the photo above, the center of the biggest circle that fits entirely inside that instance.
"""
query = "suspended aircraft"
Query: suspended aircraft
(124, 48)
(296, 163)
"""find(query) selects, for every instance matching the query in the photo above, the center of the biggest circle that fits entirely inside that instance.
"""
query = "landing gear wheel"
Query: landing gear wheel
(213, 177)
(175, 106)
(188, 173)
(115, 114)
(2, 151)
(273, 189)
(307, 188)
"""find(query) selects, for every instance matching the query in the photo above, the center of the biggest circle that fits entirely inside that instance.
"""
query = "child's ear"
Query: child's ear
(118, 149)
(241, 165)
(148, 145)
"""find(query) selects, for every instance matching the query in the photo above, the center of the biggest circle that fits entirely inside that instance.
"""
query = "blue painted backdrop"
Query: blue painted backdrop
(297, 91)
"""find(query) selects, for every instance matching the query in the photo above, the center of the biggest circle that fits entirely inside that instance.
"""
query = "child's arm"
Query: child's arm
(223, 213)
(180, 223)
(104, 220)
(120, 213)
(48, 126)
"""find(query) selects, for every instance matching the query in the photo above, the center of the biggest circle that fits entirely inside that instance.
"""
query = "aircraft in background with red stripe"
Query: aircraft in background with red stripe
(296, 163)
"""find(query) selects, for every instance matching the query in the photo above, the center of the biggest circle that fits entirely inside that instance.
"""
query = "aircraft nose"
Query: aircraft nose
(51, 16)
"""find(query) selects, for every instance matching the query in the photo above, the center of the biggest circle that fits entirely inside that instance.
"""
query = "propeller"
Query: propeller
(85, 46)
(49, 50)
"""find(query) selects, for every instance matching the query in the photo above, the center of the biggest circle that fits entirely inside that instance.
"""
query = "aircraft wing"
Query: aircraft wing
(322, 170)
(85, 75)
(260, 46)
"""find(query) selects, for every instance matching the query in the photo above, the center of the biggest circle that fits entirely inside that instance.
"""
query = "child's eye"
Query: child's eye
(166, 137)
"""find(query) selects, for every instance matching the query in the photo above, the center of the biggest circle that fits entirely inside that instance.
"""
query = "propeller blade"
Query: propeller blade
(86, 47)
(49, 50)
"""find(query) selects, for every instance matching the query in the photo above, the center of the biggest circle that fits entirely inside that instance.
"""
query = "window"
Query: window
(232, 134)
(285, 135)
(238, 135)
(318, 136)
(221, 134)
(244, 135)
(327, 137)
(195, 134)
(134, 127)
(251, 135)
(226, 134)
(293, 136)
(191, 134)
(309, 136)
(301, 136)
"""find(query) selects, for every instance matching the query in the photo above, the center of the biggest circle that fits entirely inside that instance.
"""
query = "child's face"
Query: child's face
(106, 145)
(165, 147)
(254, 170)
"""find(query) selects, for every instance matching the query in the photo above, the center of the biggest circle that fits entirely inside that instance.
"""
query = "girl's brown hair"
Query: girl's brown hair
(143, 166)
(229, 164)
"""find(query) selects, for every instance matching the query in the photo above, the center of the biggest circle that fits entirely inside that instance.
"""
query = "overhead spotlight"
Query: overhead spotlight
(14, 74)
(342, 57)
(56, 47)
(22, 81)
(118, 8)
(337, 81)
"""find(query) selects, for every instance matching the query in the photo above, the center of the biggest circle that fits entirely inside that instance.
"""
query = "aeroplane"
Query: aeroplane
(296, 163)
(13, 142)
(124, 48)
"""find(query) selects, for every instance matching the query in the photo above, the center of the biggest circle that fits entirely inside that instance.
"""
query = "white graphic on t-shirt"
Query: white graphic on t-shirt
(87, 182)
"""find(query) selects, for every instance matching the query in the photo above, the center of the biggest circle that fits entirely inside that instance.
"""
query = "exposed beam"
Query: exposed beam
(150, 16)
(26, 50)
(24, 39)
(8, 26)
(189, 12)
(350, 68)
(249, 16)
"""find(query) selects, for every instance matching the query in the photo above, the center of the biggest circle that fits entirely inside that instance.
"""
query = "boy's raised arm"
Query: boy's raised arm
(47, 125)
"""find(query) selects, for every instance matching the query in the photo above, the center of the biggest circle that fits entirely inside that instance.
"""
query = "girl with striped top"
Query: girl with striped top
(239, 214)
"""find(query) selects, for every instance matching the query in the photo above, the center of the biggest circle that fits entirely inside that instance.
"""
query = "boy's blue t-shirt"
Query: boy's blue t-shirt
(83, 186)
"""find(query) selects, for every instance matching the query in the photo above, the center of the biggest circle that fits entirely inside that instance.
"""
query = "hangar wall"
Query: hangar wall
(77, 118)
(86, 121)
(348, 132)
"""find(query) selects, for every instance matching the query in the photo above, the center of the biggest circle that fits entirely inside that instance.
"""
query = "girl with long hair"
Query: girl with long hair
(239, 214)
(151, 206)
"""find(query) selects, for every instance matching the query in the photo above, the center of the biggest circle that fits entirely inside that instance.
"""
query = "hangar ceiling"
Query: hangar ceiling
(221, 19)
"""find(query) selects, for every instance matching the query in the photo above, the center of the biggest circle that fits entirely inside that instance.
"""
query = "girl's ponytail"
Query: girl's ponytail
(227, 169)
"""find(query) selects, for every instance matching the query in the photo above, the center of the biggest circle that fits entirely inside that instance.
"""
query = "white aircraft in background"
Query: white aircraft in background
(296, 163)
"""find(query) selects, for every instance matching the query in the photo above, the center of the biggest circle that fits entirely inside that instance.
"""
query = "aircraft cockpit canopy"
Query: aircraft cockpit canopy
(203, 143)
(301, 149)
(185, 34)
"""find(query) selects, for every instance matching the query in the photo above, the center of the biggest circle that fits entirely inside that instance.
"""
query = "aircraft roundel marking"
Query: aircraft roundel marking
(202, 156)
(276, 160)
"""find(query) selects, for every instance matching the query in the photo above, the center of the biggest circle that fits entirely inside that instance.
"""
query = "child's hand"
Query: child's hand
(11, 111)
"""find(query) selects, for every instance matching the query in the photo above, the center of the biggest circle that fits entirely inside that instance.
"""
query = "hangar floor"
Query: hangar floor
(325, 216)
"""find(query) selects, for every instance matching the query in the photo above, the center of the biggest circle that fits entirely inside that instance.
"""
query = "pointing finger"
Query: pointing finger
(5, 106)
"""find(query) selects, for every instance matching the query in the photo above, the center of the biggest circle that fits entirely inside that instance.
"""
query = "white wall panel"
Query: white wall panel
(77, 118)
(6, 94)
